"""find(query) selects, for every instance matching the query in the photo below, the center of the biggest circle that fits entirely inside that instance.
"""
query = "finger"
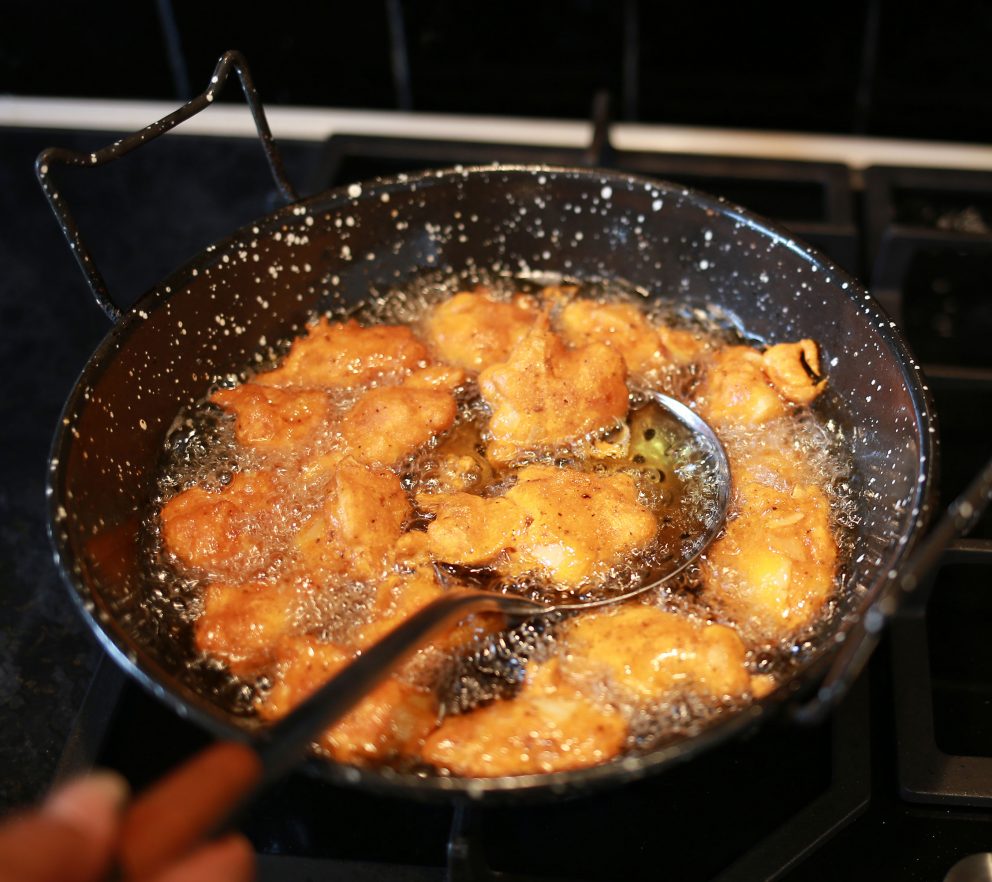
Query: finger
(70, 837)
(228, 860)
(91, 804)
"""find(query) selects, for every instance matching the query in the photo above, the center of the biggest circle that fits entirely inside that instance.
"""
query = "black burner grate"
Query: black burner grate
(929, 238)
(930, 245)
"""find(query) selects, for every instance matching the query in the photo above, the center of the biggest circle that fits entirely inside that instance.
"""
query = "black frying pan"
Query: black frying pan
(337, 249)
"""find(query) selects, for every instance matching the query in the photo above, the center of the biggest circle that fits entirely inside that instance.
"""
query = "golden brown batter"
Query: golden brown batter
(474, 330)
(328, 536)
(223, 533)
(548, 727)
(547, 394)
(334, 356)
(651, 654)
(544, 524)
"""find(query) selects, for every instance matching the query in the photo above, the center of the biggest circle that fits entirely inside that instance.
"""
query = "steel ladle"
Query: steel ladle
(207, 792)
(335, 698)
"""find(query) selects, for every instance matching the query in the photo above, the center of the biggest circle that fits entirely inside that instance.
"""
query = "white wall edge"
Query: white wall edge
(312, 124)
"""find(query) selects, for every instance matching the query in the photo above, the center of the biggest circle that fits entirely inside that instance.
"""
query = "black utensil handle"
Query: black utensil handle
(289, 739)
(864, 636)
(285, 743)
(205, 796)
(47, 159)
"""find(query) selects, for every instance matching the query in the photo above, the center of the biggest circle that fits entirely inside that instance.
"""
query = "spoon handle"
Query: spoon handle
(288, 739)
(171, 817)
(205, 795)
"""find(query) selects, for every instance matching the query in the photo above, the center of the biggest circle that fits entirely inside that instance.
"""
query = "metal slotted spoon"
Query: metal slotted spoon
(710, 472)
(208, 793)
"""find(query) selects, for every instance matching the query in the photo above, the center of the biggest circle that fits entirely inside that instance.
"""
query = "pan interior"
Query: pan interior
(232, 304)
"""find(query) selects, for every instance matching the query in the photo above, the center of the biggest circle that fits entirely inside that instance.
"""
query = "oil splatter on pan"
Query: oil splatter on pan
(238, 302)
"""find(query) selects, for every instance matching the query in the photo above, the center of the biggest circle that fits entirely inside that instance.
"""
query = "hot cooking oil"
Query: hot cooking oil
(202, 450)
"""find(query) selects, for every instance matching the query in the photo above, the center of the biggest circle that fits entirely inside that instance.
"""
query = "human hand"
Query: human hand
(73, 835)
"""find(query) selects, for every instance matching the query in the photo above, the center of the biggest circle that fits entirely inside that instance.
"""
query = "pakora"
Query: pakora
(379, 466)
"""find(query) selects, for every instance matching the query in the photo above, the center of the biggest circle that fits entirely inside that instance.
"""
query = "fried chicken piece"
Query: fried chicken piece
(643, 345)
(458, 462)
(562, 524)
(652, 654)
(547, 394)
(794, 369)
(227, 532)
(469, 529)
(355, 530)
(548, 727)
(736, 390)
(392, 720)
(577, 522)
(742, 385)
(683, 347)
(244, 623)
(271, 418)
(390, 422)
(339, 355)
(773, 569)
(621, 326)
(473, 330)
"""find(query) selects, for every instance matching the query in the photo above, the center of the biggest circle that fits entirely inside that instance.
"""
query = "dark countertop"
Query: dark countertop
(145, 215)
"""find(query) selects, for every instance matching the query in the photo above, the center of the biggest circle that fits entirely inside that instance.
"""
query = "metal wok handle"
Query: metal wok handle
(864, 636)
(58, 156)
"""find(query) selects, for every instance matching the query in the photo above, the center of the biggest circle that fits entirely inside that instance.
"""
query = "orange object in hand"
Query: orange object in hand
(184, 807)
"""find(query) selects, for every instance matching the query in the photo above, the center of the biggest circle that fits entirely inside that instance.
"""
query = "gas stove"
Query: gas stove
(896, 784)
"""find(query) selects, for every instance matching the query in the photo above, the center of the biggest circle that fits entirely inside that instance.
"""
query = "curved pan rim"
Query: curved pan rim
(186, 703)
